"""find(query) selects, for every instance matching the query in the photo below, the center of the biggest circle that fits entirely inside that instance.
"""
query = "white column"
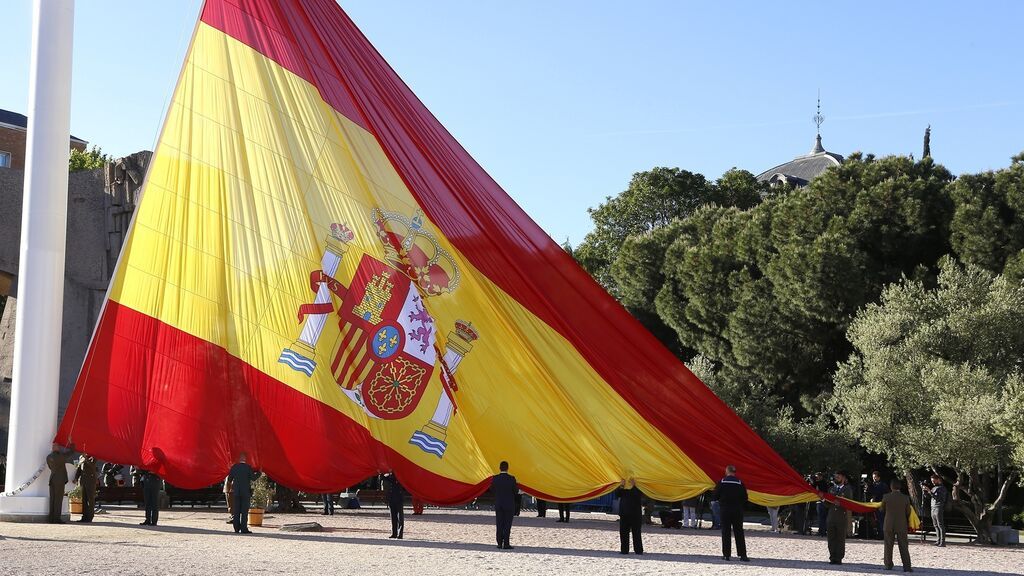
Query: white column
(37, 332)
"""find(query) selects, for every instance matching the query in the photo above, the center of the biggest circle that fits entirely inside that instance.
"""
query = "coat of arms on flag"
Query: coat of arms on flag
(386, 351)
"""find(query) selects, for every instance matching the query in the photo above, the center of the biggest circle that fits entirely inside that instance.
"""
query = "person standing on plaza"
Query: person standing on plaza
(150, 496)
(542, 508)
(877, 489)
(56, 461)
(504, 487)
(773, 519)
(396, 505)
(821, 485)
(689, 510)
(229, 497)
(241, 476)
(328, 500)
(940, 496)
(631, 513)
(897, 509)
(837, 519)
(732, 498)
(563, 511)
(86, 478)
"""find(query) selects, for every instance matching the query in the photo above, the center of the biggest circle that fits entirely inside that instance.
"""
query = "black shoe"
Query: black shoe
(641, 552)
(500, 547)
(744, 559)
(726, 558)
(246, 532)
(393, 536)
(399, 537)
(623, 551)
(509, 547)
(230, 522)
(143, 523)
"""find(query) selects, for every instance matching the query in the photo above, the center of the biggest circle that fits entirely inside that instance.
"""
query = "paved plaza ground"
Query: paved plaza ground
(448, 542)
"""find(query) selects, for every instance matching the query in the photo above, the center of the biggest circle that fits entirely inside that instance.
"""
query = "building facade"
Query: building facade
(100, 207)
(13, 138)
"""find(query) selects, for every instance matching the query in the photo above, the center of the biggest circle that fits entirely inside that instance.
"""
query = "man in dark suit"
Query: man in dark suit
(86, 478)
(396, 504)
(542, 508)
(56, 461)
(835, 525)
(896, 507)
(732, 497)
(631, 514)
(150, 496)
(876, 491)
(328, 500)
(563, 511)
(241, 476)
(504, 488)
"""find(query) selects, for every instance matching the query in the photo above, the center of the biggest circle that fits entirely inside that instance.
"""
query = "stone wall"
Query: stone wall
(100, 205)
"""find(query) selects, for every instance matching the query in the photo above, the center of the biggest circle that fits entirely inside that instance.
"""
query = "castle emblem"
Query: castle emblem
(386, 351)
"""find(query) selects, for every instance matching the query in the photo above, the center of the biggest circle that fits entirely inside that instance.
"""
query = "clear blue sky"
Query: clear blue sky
(563, 100)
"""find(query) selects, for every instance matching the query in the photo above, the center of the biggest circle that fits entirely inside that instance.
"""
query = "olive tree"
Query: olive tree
(935, 381)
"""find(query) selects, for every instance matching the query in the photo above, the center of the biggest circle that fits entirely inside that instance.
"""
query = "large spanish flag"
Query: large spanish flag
(320, 276)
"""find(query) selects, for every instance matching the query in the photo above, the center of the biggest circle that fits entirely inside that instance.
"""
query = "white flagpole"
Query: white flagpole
(37, 331)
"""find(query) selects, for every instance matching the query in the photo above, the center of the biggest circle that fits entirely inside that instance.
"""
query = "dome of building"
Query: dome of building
(802, 169)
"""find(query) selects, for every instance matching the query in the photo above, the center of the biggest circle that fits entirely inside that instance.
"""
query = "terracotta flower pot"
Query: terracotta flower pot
(255, 517)
(75, 506)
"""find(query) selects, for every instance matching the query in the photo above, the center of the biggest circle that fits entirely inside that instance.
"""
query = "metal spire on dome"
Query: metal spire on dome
(818, 121)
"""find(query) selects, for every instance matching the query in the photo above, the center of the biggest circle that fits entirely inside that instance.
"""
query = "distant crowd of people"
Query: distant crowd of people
(728, 501)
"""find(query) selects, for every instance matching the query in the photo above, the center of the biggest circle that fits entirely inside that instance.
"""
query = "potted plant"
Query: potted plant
(262, 493)
(75, 500)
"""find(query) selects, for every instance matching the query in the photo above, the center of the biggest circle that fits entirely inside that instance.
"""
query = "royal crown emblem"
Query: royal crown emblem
(386, 349)
(416, 252)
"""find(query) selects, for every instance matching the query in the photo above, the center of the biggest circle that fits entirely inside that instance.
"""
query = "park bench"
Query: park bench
(956, 525)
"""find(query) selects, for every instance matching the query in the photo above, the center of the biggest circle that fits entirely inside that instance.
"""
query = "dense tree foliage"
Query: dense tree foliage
(809, 444)
(935, 381)
(640, 214)
(654, 199)
(768, 293)
(988, 226)
(757, 288)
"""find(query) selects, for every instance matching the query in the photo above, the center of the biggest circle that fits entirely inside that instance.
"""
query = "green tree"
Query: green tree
(654, 199)
(806, 443)
(86, 159)
(935, 381)
(768, 293)
(988, 225)
(625, 251)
